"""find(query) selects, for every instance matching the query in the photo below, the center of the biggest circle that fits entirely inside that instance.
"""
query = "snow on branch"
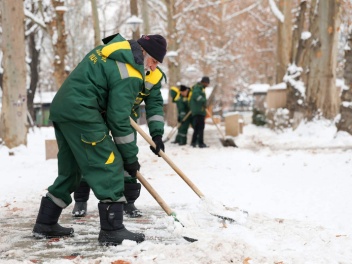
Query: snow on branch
(35, 19)
(276, 11)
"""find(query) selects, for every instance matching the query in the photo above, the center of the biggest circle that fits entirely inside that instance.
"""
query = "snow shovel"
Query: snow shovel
(166, 158)
(224, 141)
(161, 202)
(174, 129)
(175, 168)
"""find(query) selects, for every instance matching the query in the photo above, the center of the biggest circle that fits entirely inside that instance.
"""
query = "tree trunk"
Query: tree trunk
(134, 11)
(322, 95)
(97, 40)
(14, 101)
(58, 34)
(33, 41)
(345, 121)
(145, 17)
(172, 62)
(295, 97)
(298, 44)
(284, 36)
(34, 71)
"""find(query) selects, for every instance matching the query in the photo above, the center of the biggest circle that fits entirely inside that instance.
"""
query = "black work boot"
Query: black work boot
(46, 225)
(132, 191)
(112, 231)
(81, 196)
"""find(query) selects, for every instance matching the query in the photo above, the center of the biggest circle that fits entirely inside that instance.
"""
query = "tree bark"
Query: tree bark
(145, 16)
(284, 39)
(14, 102)
(172, 62)
(295, 98)
(34, 71)
(134, 11)
(298, 44)
(96, 26)
(57, 31)
(322, 95)
(345, 121)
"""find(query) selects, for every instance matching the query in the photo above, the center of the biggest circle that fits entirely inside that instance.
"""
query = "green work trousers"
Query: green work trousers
(87, 149)
(181, 137)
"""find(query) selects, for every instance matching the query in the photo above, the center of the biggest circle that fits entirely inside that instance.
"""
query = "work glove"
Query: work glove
(132, 168)
(159, 145)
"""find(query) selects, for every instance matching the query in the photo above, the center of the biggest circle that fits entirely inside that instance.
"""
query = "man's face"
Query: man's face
(150, 63)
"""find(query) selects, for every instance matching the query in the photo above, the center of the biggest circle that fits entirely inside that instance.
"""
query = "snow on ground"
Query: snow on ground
(296, 186)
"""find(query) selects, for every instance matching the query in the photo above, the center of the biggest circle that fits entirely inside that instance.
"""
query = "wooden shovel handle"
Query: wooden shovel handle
(153, 193)
(212, 118)
(167, 159)
(174, 129)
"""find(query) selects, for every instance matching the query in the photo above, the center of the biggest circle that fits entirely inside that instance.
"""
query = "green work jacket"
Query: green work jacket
(174, 93)
(151, 95)
(183, 106)
(198, 100)
(108, 81)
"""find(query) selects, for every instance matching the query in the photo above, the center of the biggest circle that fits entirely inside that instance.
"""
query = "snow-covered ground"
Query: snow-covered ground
(296, 186)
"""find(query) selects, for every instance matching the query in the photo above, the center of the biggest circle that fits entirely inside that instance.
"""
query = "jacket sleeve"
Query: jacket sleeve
(122, 95)
(154, 111)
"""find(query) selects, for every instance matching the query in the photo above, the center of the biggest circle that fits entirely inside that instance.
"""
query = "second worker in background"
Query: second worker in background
(198, 104)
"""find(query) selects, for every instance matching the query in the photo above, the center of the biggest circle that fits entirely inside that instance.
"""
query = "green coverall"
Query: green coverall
(108, 80)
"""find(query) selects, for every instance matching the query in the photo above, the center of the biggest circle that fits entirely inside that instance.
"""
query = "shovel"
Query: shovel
(174, 167)
(174, 129)
(161, 202)
(224, 141)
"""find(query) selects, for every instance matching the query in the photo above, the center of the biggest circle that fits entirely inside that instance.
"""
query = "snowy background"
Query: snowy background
(296, 186)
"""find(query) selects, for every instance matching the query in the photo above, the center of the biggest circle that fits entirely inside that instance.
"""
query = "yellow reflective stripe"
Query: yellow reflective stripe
(154, 76)
(126, 70)
(111, 158)
(132, 72)
(177, 91)
(123, 45)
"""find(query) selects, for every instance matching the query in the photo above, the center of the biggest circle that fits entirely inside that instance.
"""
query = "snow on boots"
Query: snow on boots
(46, 225)
(113, 232)
(81, 196)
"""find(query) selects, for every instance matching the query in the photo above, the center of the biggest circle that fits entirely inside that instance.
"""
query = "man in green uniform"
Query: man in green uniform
(198, 104)
(151, 95)
(108, 80)
(183, 109)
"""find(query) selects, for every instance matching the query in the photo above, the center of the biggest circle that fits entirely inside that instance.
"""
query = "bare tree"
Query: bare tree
(295, 97)
(284, 36)
(134, 11)
(345, 121)
(322, 95)
(97, 40)
(33, 36)
(57, 31)
(14, 102)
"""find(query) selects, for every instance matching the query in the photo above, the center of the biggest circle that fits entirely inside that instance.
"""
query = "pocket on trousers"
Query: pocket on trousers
(98, 148)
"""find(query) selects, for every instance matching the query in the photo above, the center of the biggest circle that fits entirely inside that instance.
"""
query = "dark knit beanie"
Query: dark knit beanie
(154, 45)
(183, 88)
(205, 79)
